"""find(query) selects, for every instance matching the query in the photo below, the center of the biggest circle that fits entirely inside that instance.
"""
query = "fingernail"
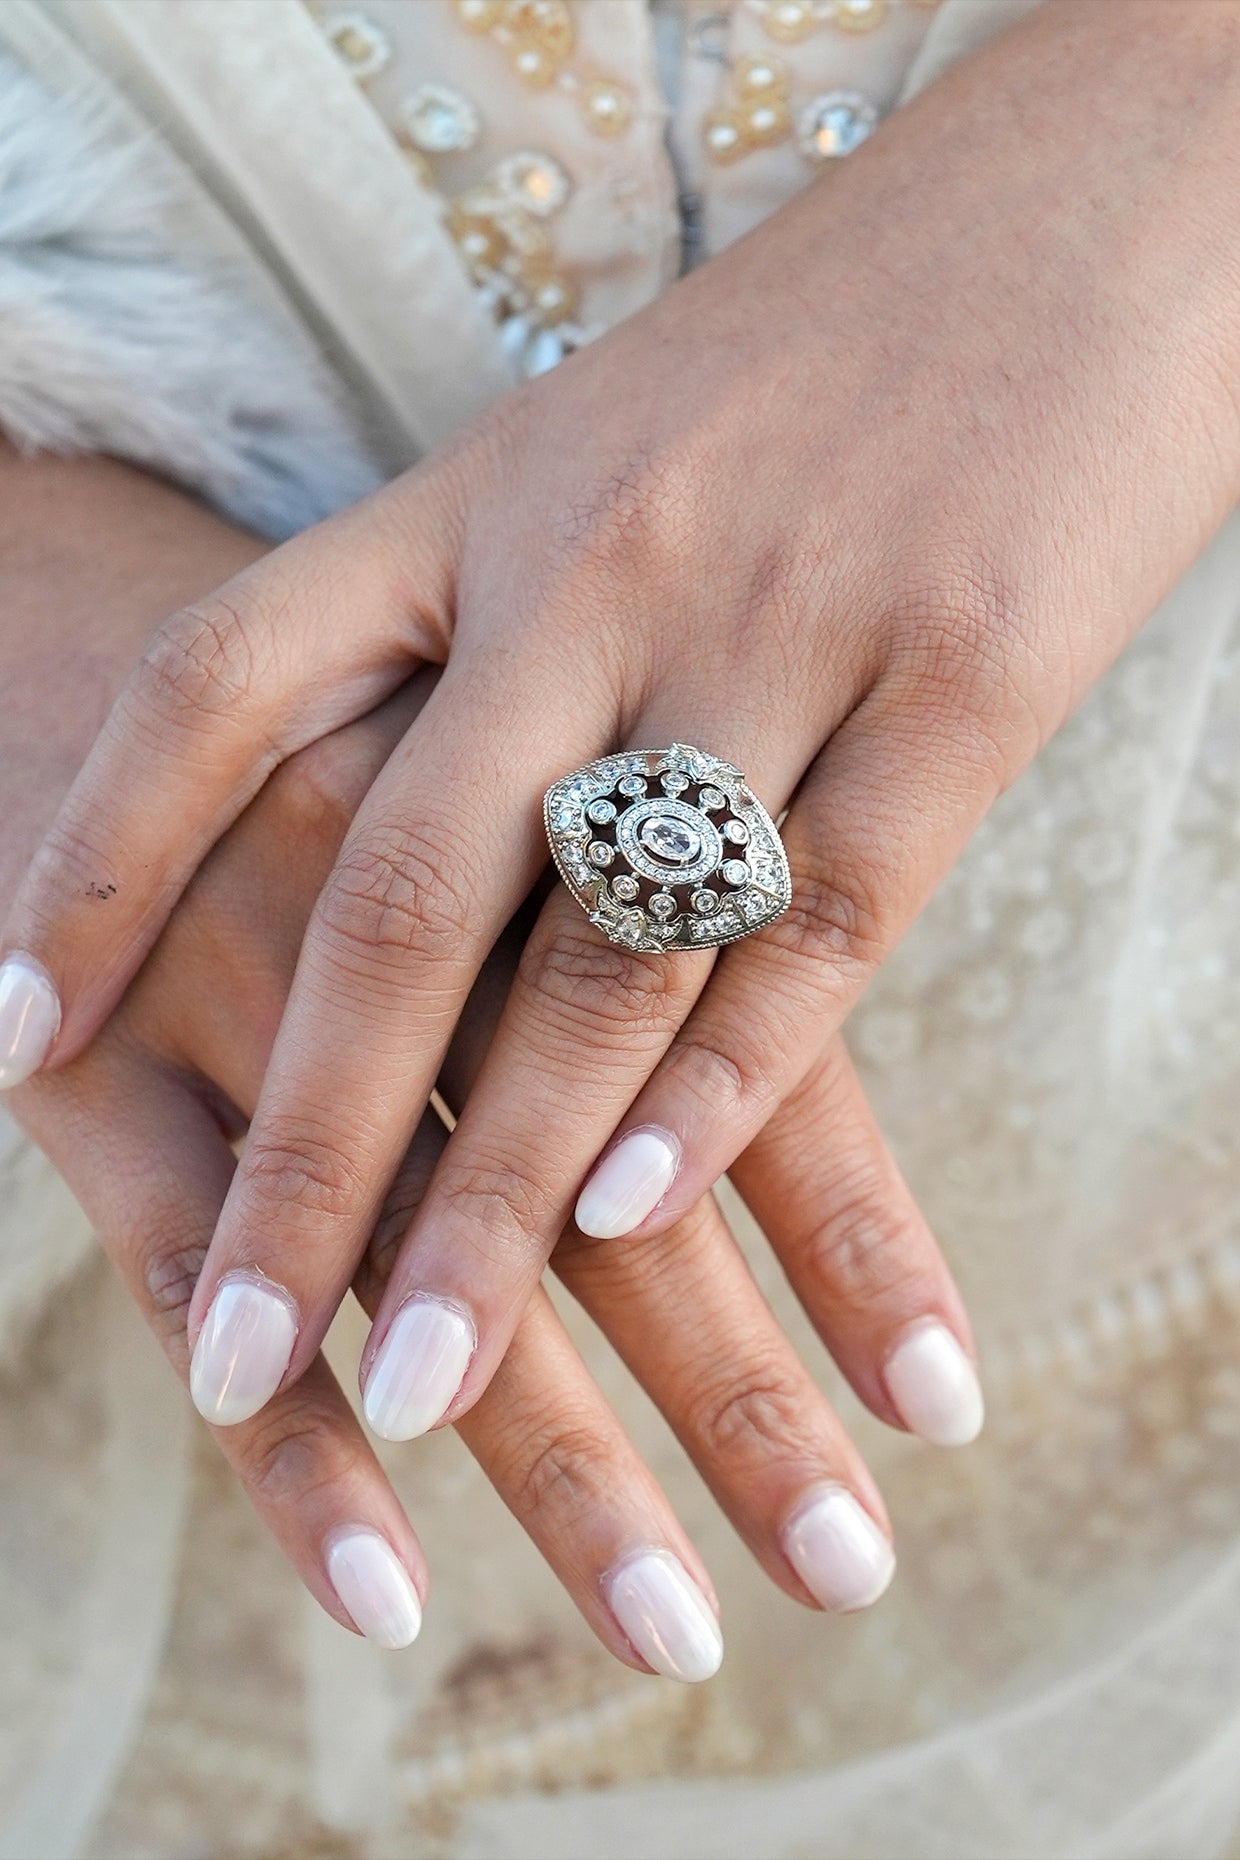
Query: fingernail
(418, 1370)
(838, 1551)
(629, 1182)
(375, 1588)
(665, 1616)
(242, 1351)
(935, 1387)
(29, 1018)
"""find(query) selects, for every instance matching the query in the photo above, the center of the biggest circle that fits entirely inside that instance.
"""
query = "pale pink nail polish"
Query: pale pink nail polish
(934, 1386)
(628, 1184)
(374, 1588)
(665, 1616)
(29, 1018)
(838, 1551)
(243, 1350)
(418, 1368)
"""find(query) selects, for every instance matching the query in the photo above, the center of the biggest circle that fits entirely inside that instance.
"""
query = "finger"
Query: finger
(293, 647)
(151, 1166)
(563, 1465)
(438, 859)
(884, 813)
(684, 1312)
(583, 1026)
(827, 1193)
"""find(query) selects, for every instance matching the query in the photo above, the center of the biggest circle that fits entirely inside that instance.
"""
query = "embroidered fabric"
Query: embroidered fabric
(1054, 1052)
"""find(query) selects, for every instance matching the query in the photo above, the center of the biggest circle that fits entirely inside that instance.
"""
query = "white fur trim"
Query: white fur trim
(112, 342)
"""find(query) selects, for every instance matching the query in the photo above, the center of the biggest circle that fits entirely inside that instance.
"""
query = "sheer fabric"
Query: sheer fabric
(1054, 1052)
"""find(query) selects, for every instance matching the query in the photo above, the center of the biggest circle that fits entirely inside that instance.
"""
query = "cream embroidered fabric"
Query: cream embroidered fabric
(1055, 1052)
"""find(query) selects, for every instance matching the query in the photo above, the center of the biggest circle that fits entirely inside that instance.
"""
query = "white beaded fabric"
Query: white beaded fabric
(1055, 1053)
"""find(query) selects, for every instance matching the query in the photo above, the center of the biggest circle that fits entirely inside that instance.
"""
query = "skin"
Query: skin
(141, 1122)
(890, 483)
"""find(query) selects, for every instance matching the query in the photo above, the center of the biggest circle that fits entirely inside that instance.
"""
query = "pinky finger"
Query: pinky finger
(152, 1180)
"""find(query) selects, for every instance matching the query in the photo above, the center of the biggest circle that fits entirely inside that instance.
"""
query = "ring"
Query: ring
(667, 849)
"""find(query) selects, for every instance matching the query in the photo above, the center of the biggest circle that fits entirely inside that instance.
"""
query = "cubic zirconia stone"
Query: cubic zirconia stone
(632, 785)
(602, 812)
(674, 784)
(663, 904)
(835, 124)
(713, 799)
(733, 871)
(672, 840)
(706, 902)
(440, 121)
(734, 830)
(625, 887)
(601, 854)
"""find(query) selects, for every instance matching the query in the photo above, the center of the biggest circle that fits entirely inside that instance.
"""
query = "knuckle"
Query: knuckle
(866, 1249)
(169, 1276)
(836, 916)
(293, 1165)
(200, 663)
(288, 1458)
(398, 897)
(757, 1412)
(731, 1077)
(590, 985)
(560, 1476)
(634, 516)
(501, 1205)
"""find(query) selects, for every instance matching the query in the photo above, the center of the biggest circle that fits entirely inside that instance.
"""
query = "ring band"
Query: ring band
(667, 849)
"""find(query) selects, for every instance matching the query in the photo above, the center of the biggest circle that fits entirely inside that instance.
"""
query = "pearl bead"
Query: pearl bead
(724, 135)
(478, 239)
(789, 20)
(535, 67)
(477, 15)
(766, 123)
(606, 107)
(756, 77)
(552, 298)
(858, 15)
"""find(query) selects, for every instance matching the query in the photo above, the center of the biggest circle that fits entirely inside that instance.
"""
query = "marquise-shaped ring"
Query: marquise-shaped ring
(667, 849)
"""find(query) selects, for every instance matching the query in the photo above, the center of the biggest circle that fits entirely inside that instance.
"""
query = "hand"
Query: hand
(140, 1125)
(877, 586)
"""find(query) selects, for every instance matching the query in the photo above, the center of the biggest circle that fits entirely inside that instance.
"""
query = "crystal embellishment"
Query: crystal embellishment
(649, 879)
(440, 121)
(835, 124)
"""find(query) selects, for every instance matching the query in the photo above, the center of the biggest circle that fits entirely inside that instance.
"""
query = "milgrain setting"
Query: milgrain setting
(667, 849)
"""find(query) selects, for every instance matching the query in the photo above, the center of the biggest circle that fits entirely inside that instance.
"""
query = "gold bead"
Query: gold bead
(766, 122)
(477, 238)
(858, 15)
(789, 20)
(477, 15)
(551, 296)
(533, 65)
(759, 77)
(547, 24)
(723, 132)
(606, 107)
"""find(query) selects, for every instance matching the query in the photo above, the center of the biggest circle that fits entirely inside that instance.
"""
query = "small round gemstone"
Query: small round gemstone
(670, 839)
(733, 871)
(835, 124)
(706, 902)
(601, 854)
(440, 121)
(358, 42)
(625, 887)
(734, 830)
(663, 904)
(673, 783)
(534, 181)
(632, 785)
(606, 107)
(713, 799)
(602, 812)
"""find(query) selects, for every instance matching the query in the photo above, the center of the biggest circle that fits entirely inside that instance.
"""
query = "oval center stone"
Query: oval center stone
(669, 839)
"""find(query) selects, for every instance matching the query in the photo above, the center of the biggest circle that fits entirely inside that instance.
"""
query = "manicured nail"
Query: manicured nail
(665, 1616)
(628, 1184)
(419, 1369)
(29, 1018)
(838, 1551)
(375, 1588)
(242, 1351)
(935, 1387)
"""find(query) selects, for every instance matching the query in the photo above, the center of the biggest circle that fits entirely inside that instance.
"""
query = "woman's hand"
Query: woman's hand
(863, 506)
